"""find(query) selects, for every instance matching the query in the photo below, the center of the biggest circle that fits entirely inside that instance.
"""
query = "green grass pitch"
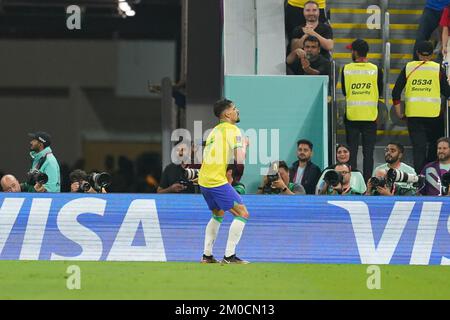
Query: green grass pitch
(184, 281)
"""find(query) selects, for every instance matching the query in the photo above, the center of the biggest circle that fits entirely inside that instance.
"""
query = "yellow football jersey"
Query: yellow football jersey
(218, 153)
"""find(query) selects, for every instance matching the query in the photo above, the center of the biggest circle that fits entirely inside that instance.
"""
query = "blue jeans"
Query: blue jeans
(429, 21)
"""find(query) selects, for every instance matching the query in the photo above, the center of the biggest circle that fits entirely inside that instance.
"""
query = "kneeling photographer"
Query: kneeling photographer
(394, 177)
(337, 181)
(80, 181)
(277, 181)
(394, 182)
(437, 173)
(180, 176)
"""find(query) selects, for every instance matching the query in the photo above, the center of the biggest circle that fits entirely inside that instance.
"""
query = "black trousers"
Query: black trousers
(368, 131)
(424, 132)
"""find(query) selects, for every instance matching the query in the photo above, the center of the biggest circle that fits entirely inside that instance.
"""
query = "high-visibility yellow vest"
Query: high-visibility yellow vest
(423, 89)
(361, 88)
(301, 3)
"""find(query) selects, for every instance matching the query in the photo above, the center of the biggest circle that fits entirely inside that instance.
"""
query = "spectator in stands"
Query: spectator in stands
(312, 27)
(357, 182)
(429, 21)
(393, 155)
(434, 171)
(308, 61)
(233, 179)
(44, 161)
(362, 85)
(424, 82)
(173, 178)
(278, 182)
(293, 14)
(9, 183)
(343, 185)
(303, 172)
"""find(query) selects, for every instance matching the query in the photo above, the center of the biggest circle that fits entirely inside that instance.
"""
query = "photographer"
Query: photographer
(44, 175)
(173, 178)
(277, 181)
(393, 156)
(356, 179)
(79, 182)
(9, 183)
(378, 185)
(337, 181)
(437, 173)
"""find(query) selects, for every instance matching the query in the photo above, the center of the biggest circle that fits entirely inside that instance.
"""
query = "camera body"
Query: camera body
(333, 178)
(379, 182)
(98, 181)
(95, 180)
(35, 176)
(272, 176)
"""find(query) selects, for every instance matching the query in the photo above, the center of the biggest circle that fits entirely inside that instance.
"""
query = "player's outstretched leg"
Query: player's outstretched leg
(236, 228)
(212, 229)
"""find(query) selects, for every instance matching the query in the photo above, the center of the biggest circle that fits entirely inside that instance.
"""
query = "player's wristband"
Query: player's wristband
(284, 190)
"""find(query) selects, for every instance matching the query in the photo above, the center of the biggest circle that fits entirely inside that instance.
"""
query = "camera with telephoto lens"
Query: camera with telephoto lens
(445, 182)
(35, 176)
(395, 175)
(191, 174)
(98, 181)
(333, 178)
(376, 182)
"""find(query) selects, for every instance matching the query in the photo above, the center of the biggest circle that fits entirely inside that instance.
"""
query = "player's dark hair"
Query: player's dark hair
(304, 141)
(220, 106)
(400, 147)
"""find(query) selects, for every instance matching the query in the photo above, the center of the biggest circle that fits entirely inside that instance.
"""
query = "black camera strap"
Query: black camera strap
(42, 160)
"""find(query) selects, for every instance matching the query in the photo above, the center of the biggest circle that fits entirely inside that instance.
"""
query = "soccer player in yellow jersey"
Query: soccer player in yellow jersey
(224, 145)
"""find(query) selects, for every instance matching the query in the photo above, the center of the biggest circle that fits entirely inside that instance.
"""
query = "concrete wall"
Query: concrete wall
(71, 89)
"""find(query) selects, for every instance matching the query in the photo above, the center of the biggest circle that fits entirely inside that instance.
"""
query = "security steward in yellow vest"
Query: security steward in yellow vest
(362, 85)
(424, 82)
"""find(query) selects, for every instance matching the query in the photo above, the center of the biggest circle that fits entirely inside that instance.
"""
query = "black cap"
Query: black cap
(41, 136)
(359, 45)
(425, 48)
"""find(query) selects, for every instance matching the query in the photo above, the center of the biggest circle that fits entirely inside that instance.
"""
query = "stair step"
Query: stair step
(392, 26)
(376, 41)
(401, 56)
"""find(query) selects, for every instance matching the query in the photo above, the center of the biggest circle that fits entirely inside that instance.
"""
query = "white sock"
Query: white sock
(212, 229)
(234, 235)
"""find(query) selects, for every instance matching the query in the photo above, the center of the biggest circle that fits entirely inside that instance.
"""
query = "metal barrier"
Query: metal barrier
(386, 48)
(333, 124)
(386, 67)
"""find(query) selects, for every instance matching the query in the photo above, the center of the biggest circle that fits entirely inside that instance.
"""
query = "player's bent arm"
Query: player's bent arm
(239, 154)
